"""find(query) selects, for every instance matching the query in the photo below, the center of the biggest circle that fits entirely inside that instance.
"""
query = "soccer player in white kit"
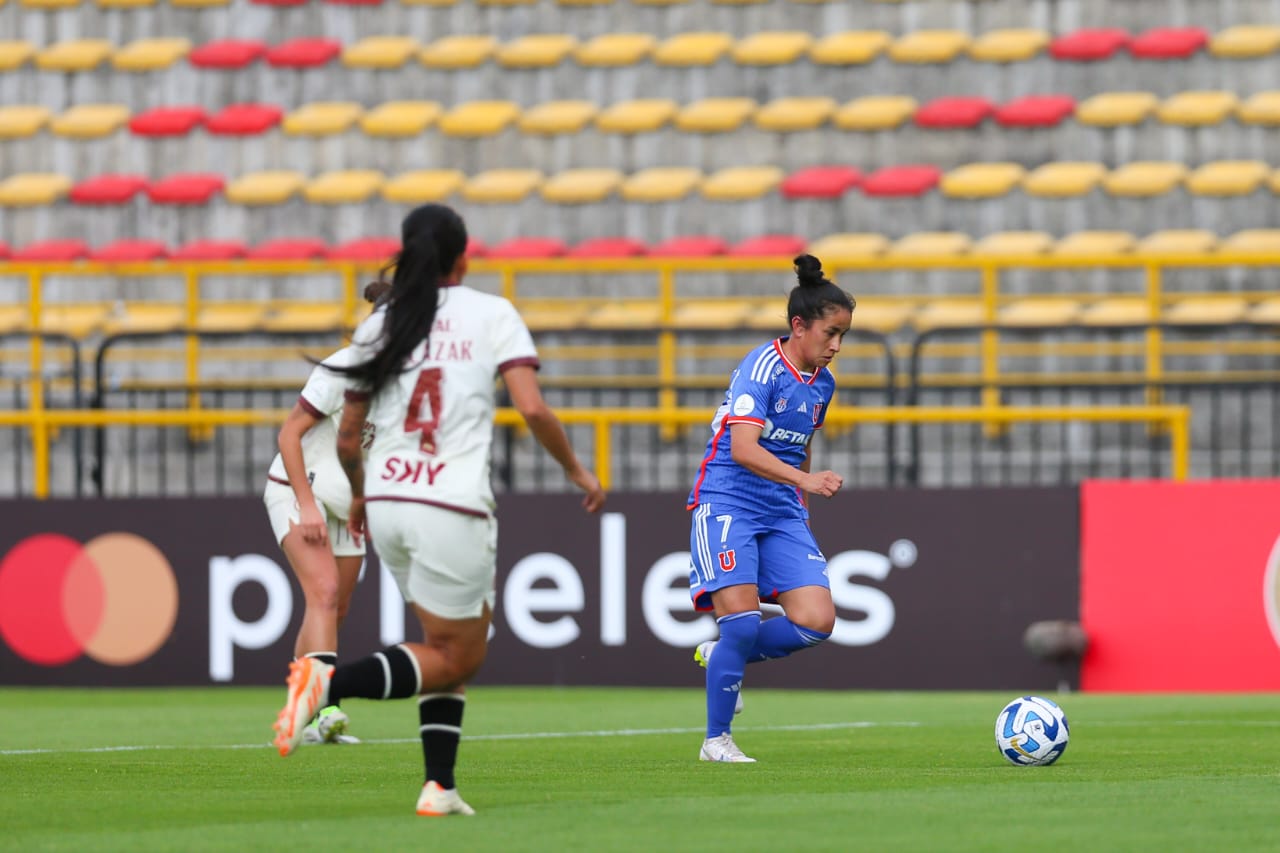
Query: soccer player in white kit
(423, 375)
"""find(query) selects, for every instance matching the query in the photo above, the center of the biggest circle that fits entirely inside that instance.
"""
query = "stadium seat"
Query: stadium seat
(33, 189)
(878, 314)
(150, 54)
(476, 248)
(581, 186)
(1112, 109)
(922, 47)
(124, 4)
(643, 115)
(380, 52)
(789, 115)
(708, 314)
(479, 118)
(1253, 240)
(1094, 244)
(907, 180)
(622, 315)
(715, 115)
(1088, 45)
(542, 50)
(304, 316)
(227, 54)
(199, 4)
(323, 118)
(552, 314)
(1197, 109)
(821, 182)
(190, 188)
(770, 316)
(209, 250)
(133, 317)
(400, 118)
(108, 189)
(76, 320)
(1036, 111)
(1207, 311)
(1008, 45)
(423, 186)
(1064, 179)
(608, 247)
(15, 53)
(62, 249)
(376, 249)
(1178, 241)
(278, 2)
(167, 121)
(303, 53)
(689, 246)
(230, 316)
(768, 245)
(48, 5)
(344, 186)
(528, 247)
(954, 112)
(852, 47)
(931, 244)
(1007, 243)
(1039, 312)
(982, 180)
(690, 49)
(74, 56)
(1116, 311)
(771, 48)
(552, 118)
(263, 188)
(849, 246)
(504, 186)
(243, 119)
(738, 183)
(1246, 41)
(21, 121)
(1144, 178)
(875, 112)
(612, 50)
(1266, 312)
(1168, 43)
(130, 251)
(1261, 108)
(90, 121)
(457, 52)
(288, 249)
(663, 183)
(1228, 178)
(948, 313)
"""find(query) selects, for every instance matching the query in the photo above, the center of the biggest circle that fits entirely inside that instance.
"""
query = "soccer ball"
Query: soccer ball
(1031, 730)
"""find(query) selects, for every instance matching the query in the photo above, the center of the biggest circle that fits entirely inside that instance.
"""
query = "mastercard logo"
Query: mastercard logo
(113, 599)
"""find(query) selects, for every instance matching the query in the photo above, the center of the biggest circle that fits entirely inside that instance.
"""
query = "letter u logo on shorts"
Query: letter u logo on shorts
(728, 559)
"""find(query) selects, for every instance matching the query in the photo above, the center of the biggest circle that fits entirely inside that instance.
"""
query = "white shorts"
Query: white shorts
(282, 509)
(443, 561)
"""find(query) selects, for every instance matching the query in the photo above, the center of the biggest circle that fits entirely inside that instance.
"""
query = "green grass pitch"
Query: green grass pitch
(600, 769)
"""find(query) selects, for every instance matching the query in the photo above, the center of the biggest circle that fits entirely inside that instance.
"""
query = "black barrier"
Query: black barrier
(73, 359)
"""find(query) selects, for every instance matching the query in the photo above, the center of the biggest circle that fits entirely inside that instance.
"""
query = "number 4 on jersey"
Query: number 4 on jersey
(424, 408)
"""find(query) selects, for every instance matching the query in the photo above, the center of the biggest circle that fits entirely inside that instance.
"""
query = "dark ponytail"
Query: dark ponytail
(815, 295)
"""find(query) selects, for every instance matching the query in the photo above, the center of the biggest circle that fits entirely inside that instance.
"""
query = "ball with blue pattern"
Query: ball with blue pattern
(1032, 731)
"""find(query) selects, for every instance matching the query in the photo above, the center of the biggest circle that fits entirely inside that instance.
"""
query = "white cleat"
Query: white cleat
(723, 748)
(308, 687)
(435, 801)
(702, 654)
(329, 727)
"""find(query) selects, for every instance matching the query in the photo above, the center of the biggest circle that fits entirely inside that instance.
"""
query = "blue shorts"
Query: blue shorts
(730, 546)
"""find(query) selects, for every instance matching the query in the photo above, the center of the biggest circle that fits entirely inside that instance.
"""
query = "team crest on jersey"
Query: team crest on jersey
(728, 560)
(780, 406)
(817, 412)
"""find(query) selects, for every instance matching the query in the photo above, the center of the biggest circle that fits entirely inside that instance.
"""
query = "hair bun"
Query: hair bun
(809, 270)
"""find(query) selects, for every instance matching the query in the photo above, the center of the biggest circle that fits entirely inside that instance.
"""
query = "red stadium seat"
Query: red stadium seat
(227, 53)
(366, 249)
(954, 112)
(304, 53)
(108, 189)
(1036, 111)
(768, 245)
(52, 250)
(288, 249)
(243, 119)
(4, 250)
(608, 247)
(821, 182)
(1088, 45)
(126, 251)
(1169, 42)
(210, 250)
(186, 189)
(167, 121)
(528, 247)
(902, 180)
(476, 248)
(689, 247)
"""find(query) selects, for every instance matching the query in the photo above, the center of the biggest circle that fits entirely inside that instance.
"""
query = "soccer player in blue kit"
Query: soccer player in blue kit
(750, 538)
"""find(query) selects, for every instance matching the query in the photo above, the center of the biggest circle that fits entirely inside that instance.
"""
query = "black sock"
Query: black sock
(441, 717)
(389, 674)
(330, 658)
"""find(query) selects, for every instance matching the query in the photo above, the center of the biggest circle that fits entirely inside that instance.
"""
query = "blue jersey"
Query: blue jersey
(771, 392)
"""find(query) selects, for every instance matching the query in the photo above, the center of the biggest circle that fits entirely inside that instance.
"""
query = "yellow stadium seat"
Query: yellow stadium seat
(1262, 108)
(851, 47)
(786, 115)
(1009, 243)
(931, 244)
(625, 314)
(150, 54)
(304, 316)
(380, 52)
(875, 112)
(1196, 109)
(78, 320)
(260, 188)
(1253, 240)
(639, 116)
(1112, 109)
(49, 4)
(125, 4)
(715, 115)
(552, 314)
(948, 313)
(33, 189)
(1206, 311)
(848, 247)
(883, 315)
(772, 48)
(543, 50)
(479, 118)
(723, 313)
(1188, 241)
(17, 122)
(1145, 178)
(615, 49)
(455, 52)
(199, 4)
(15, 54)
(322, 118)
(982, 180)
(737, 183)
(501, 185)
(1247, 41)
(661, 184)
(770, 315)
(1228, 178)
(1008, 45)
(135, 317)
(693, 48)
(583, 2)
(1267, 311)
(506, 2)
(1039, 311)
(77, 55)
(346, 186)
(738, 2)
(1095, 243)
(12, 318)
(400, 118)
(557, 117)
(1116, 311)
(89, 121)
(230, 316)
(1064, 180)
(422, 186)
(581, 186)
(659, 2)
(439, 3)
(928, 46)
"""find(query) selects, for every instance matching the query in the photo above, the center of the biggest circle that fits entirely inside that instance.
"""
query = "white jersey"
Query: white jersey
(322, 396)
(434, 422)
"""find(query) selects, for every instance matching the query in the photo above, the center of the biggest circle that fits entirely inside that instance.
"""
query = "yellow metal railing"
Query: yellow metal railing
(1175, 419)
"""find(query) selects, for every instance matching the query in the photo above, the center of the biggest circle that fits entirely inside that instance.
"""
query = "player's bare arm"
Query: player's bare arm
(351, 457)
(311, 523)
(745, 447)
